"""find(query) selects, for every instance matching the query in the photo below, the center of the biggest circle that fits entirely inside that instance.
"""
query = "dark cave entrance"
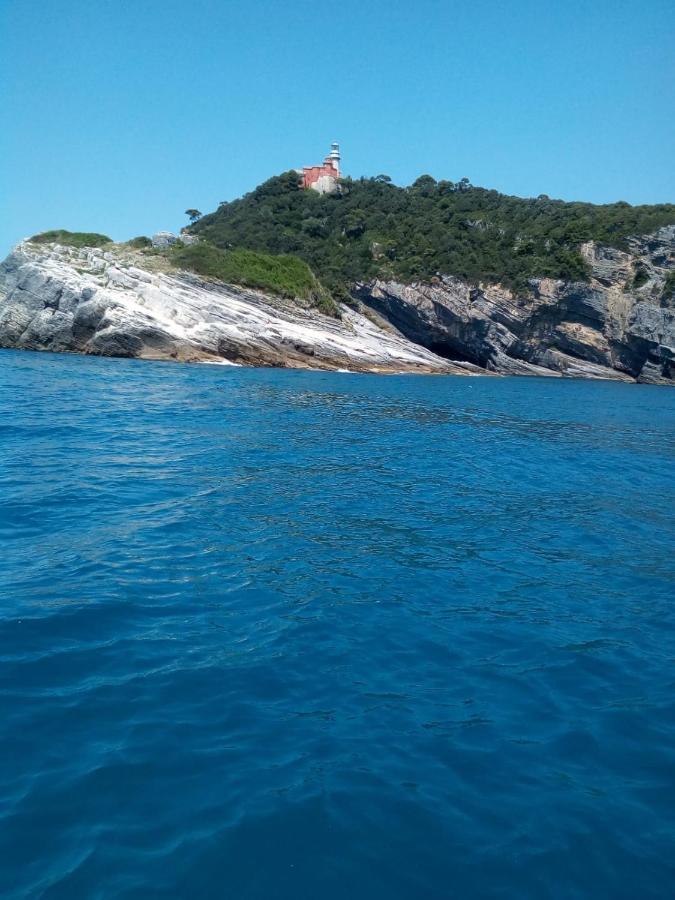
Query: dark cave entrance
(451, 352)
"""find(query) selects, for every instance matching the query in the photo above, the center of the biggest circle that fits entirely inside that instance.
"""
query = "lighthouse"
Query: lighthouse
(334, 156)
(324, 178)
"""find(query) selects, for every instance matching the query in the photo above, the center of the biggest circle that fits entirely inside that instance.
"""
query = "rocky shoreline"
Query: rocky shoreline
(603, 328)
(97, 301)
(113, 302)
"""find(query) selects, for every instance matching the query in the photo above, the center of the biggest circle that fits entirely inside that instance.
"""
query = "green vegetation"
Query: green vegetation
(287, 276)
(640, 278)
(138, 243)
(669, 287)
(376, 229)
(313, 248)
(71, 238)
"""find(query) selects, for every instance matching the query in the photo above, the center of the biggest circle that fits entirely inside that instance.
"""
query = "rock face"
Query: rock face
(163, 239)
(96, 301)
(619, 324)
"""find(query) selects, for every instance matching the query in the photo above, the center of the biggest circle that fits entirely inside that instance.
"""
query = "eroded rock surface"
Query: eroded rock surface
(618, 325)
(604, 328)
(96, 301)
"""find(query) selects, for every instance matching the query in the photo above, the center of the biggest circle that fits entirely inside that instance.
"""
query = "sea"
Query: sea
(325, 636)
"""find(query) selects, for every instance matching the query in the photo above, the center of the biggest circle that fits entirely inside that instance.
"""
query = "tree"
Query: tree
(376, 228)
(314, 227)
(193, 215)
(355, 223)
(424, 183)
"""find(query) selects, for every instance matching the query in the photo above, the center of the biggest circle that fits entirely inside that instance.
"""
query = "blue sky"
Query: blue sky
(120, 114)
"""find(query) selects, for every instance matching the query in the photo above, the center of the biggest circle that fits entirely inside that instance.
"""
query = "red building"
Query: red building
(323, 178)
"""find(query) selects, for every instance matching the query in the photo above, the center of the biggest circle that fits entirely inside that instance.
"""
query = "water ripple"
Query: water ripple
(289, 634)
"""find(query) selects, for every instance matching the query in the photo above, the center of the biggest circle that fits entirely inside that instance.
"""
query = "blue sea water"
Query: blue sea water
(283, 634)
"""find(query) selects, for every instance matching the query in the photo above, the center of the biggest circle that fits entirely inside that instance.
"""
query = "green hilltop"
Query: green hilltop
(313, 248)
(375, 229)
(71, 238)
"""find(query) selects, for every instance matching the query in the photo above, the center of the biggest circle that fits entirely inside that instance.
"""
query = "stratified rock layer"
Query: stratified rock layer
(94, 301)
(618, 325)
(603, 328)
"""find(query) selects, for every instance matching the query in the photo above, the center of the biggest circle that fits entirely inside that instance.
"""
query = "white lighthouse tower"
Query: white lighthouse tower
(334, 156)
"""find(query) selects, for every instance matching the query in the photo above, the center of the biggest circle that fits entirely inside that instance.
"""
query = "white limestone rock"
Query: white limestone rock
(106, 302)
(56, 298)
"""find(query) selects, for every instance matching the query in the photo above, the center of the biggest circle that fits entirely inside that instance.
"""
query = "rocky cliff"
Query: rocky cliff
(102, 302)
(619, 324)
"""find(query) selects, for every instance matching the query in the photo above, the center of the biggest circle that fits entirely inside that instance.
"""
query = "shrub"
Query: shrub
(640, 278)
(138, 243)
(284, 275)
(669, 286)
(71, 238)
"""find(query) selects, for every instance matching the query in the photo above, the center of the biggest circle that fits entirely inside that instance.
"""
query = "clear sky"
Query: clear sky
(119, 114)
